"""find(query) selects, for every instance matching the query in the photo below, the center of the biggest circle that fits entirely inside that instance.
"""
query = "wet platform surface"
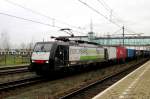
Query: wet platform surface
(135, 85)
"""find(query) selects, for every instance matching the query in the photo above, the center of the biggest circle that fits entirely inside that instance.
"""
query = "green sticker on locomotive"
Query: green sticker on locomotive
(91, 57)
(86, 53)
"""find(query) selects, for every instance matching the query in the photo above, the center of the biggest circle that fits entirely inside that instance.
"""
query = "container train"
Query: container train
(63, 54)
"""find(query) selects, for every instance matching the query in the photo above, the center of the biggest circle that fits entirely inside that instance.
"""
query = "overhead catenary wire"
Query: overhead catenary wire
(53, 19)
(114, 33)
(34, 21)
(21, 18)
(99, 13)
(41, 14)
(109, 9)
(104, 5)
(38, 13)
(95, 10)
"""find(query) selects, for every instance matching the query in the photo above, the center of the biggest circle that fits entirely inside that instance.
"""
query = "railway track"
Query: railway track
(20, 82)
(90, 90)
(13, 70)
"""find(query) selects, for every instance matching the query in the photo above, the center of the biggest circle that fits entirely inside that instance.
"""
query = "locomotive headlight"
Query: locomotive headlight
(46, 62)
(33, 61)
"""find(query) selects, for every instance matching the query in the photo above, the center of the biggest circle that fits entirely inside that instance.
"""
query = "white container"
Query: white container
(111, 53)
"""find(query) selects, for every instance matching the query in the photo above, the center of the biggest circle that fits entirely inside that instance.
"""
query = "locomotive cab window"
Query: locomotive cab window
(42, 47)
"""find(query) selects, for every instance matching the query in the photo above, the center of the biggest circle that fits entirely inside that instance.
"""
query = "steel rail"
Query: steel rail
(21, 82)
(13, 70)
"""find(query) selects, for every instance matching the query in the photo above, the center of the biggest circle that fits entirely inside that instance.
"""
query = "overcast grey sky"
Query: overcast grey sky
(134, 14)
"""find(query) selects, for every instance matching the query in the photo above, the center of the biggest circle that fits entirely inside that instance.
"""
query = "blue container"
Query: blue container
(131, 53)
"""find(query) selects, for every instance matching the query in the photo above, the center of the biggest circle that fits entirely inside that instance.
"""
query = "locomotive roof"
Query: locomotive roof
(59, 43)
(72, 43)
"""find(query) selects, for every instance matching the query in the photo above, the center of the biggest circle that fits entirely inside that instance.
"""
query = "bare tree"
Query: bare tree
(23, 46)
(30, 45)
(4, 40)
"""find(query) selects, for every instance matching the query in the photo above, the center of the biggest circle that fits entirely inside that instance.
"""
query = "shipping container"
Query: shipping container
(111, 53)
(121, 53)
(131, 53)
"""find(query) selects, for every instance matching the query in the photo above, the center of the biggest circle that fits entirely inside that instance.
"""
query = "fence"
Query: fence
(14, 59)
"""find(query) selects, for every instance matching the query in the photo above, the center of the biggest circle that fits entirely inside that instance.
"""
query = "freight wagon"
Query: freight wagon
(130, 54)
(121, 53)
(112, 53)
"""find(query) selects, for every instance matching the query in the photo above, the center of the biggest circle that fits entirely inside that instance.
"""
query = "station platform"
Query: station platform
(135, 85)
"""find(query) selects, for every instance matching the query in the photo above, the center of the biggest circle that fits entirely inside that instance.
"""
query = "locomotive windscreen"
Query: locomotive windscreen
(42, 47)
(41, 52)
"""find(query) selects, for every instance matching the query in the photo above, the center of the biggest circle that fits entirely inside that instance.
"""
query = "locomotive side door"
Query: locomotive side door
(61, 55)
